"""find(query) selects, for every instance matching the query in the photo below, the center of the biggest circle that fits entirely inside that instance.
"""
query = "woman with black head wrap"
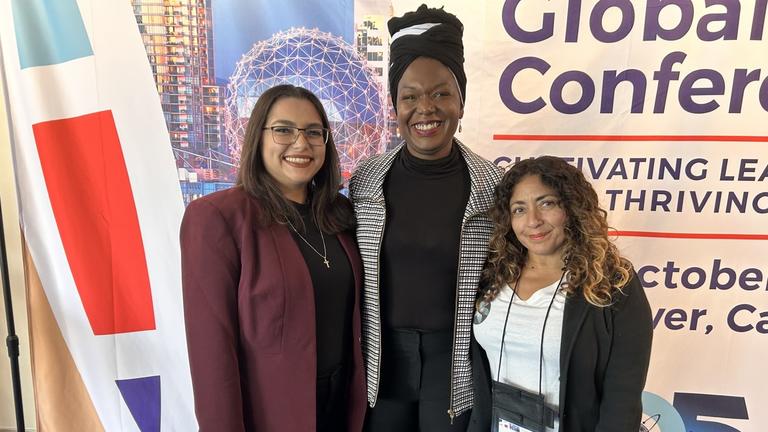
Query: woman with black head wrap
(423, 232)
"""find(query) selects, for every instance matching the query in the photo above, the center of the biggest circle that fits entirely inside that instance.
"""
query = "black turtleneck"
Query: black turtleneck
(333, 287)
(425, 201)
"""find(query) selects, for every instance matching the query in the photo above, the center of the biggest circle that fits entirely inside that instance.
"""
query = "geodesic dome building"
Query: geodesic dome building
(330, 68)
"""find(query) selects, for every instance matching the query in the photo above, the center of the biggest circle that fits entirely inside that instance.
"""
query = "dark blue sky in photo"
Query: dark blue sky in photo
(238, 24)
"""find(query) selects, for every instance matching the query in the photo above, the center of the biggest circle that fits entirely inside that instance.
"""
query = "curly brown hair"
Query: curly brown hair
(595, 267)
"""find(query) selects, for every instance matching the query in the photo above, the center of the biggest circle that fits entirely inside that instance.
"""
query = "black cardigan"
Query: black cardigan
(604, 356)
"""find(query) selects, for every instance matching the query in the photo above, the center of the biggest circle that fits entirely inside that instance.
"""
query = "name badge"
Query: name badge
(506, 426)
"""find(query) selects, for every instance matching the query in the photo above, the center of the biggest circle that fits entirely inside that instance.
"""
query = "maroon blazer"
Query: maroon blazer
(250, 320)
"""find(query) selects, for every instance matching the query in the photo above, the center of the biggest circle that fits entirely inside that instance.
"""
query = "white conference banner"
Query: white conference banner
(662, 104)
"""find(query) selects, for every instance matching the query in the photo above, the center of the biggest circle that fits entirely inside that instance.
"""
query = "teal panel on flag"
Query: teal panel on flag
(49, 32)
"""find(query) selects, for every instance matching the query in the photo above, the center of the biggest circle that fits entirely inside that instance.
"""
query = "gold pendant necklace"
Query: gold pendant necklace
(323, 255)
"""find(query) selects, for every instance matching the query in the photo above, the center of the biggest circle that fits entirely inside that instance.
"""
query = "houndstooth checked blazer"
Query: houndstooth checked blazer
(366, 189)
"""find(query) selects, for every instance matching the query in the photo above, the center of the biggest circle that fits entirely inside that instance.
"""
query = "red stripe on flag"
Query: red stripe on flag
(93, 205)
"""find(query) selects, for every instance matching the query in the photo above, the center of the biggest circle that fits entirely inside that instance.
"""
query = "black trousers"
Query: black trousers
(414, 386)
(332, 394)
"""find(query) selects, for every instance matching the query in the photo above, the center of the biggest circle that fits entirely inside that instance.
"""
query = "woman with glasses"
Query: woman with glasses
(271, 274)
(562, 315)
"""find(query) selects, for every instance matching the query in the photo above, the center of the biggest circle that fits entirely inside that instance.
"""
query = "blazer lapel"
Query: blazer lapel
(297, 285)
(350, 248)
(575, 313)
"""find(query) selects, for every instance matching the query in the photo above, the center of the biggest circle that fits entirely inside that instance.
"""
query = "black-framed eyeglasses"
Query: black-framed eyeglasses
(287, 135)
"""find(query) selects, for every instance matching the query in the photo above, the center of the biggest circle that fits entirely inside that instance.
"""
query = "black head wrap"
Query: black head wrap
(441, 42)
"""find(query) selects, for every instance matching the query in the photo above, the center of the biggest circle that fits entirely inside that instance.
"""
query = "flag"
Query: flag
(100, 210)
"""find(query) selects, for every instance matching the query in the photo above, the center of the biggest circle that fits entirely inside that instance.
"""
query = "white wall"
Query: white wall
(16, 271)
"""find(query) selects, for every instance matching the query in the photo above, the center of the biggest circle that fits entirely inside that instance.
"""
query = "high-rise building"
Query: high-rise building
(178, 36)
(372, 43)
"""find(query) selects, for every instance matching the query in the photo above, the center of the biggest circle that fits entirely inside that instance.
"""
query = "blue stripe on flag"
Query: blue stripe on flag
(49, 32)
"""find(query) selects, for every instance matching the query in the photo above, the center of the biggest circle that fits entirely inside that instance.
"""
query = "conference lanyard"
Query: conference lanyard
(541, 352)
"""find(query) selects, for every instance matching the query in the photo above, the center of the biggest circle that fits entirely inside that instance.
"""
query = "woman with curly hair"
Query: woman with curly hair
(561, 314)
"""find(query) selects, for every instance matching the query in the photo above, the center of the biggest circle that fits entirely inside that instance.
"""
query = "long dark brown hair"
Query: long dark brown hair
(331, 210)
(595, 268)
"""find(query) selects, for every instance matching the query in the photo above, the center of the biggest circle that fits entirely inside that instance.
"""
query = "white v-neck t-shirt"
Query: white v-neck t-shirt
(522, 342)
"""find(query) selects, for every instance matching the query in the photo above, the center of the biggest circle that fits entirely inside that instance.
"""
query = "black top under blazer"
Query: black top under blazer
(604, 357)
